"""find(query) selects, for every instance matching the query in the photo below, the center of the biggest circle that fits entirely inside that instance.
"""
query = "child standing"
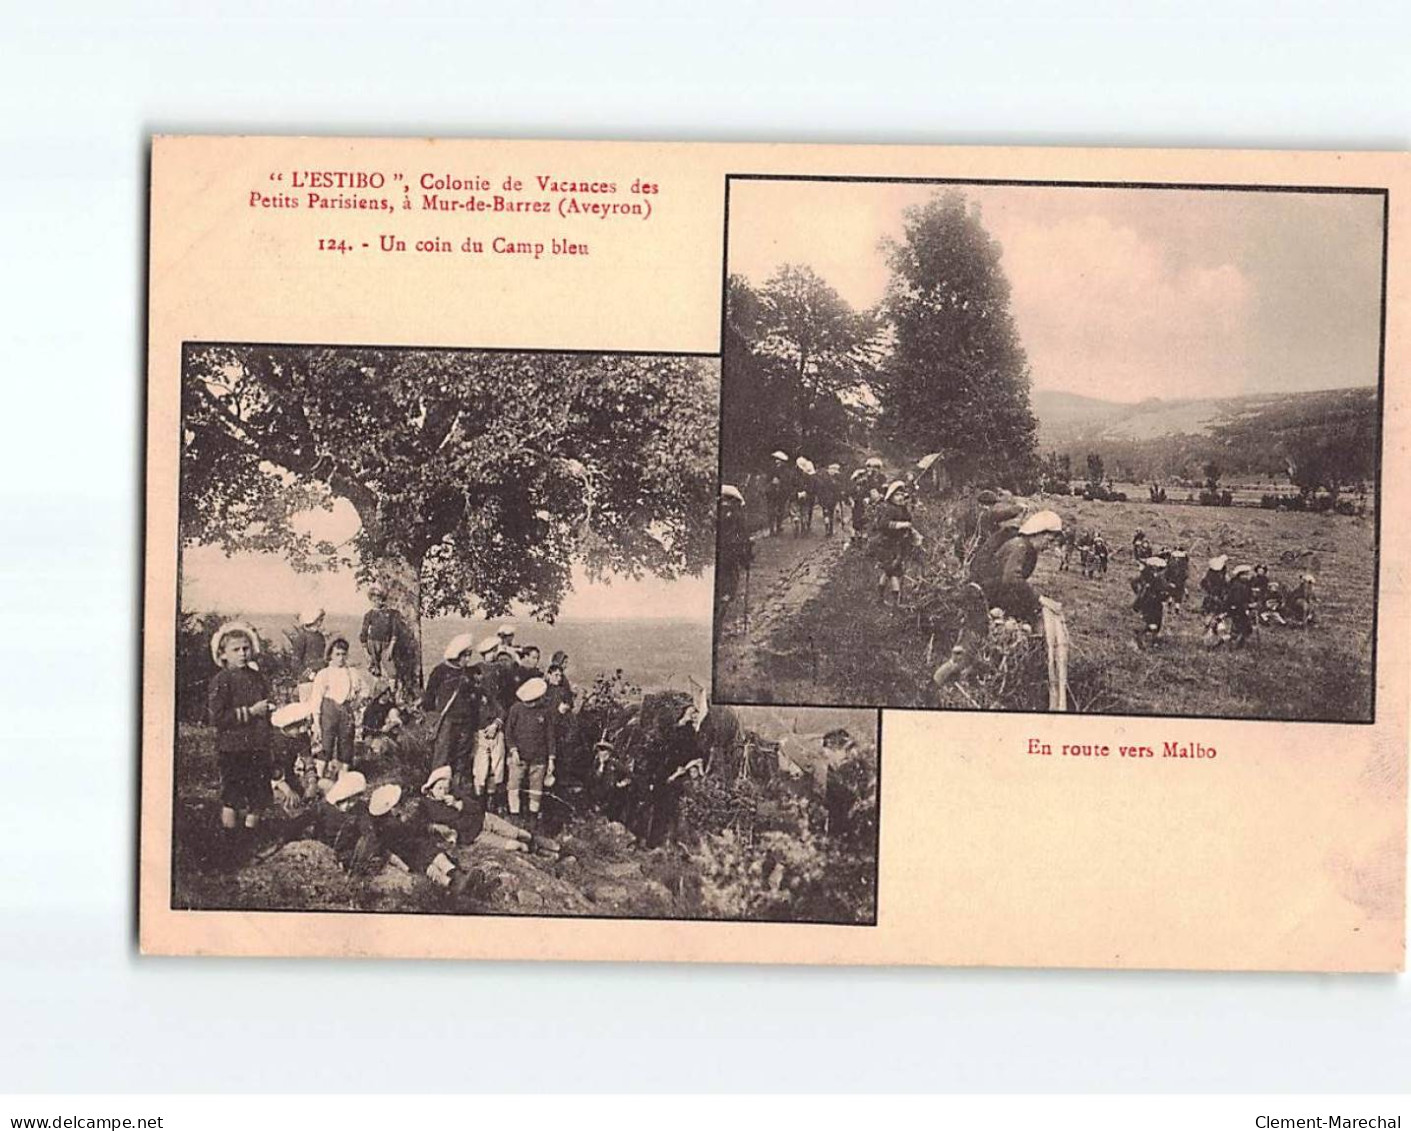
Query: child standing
(529, 735)
(238, 706)
(338, 692)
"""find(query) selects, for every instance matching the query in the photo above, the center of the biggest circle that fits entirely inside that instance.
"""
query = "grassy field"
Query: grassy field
(843, 648)
(1324, 671)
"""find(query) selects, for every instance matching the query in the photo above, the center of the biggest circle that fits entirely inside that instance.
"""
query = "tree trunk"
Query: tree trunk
(402, 580)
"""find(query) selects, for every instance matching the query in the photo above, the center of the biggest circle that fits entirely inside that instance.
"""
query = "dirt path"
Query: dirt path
(787, 572)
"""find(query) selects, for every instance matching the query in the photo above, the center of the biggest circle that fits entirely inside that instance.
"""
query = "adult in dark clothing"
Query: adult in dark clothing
(453, 699)
(1150, 591)
(307, 645)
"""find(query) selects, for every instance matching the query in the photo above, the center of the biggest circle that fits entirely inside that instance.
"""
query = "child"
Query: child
(238, 706)
(452, 697)
(382, 628)
(307, 645)
(337, 693)
(529, 735)
(294, 773)
(470, 824)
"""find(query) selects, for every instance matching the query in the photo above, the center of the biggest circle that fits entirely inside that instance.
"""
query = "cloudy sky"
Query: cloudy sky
(1122, 294)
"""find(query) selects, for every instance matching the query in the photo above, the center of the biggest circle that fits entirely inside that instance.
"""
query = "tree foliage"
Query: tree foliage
(957, 377)
(798, 366)
(478, 478)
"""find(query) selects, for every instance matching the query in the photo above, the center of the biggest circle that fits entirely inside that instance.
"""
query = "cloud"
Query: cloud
(1104, 311)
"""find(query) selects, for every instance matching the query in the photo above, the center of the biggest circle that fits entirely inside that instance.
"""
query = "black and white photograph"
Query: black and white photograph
(1009, 446)
(444, 646)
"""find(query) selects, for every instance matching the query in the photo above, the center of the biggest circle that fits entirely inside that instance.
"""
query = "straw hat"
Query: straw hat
(531, 689)
(440, 773)
(1219, 562)
(509, 628)
(781, 456)
(1241, 570)
(231, 626)
(730, 492)
(291, 714)
(834, 468)
(488, 645)
(349, 784)
(311, 616)
(1044, 522)
(384, 799)
(892, 488)
(1155, 562)
(804, 465)
(460, 644)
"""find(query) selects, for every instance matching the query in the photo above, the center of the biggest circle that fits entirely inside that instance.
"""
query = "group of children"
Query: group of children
(498, 721)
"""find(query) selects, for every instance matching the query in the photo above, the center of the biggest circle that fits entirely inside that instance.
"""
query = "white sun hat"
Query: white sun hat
(531, 689)
(1219, 562)
(310, 616)
(440, 773)
(349, 784)
(230, 626)
(488, 645)
(1042, 522)
(731, 492)
(384, 799)
(892, 488)
(509, 628)
(291, 714)
(1155, 562)
(460, 644)
(781, 455)
(805, 465)
(874, 461)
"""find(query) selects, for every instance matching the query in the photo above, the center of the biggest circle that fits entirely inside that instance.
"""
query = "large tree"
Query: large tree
(798, 361)
(957, 378)
(478, 478)
(827, 349)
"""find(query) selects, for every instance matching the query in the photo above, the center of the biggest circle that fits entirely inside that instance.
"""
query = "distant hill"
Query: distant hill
(1252, 434)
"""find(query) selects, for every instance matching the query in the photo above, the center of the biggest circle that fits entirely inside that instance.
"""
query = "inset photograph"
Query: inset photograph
(444, 646)
(1061, 447)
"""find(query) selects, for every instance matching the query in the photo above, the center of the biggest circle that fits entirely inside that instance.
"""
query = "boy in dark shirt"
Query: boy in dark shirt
(530, 737)
(238, 706)
(382, 628)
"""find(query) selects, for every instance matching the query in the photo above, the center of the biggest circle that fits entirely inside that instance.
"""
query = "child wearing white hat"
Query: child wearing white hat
(238, 706)
(470, 823)
(452, 699)
(530, 738)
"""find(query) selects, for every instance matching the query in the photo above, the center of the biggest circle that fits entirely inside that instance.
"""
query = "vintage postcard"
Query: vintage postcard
(729, 553)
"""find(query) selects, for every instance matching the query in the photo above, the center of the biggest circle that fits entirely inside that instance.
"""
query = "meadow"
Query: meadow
(842, 648)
